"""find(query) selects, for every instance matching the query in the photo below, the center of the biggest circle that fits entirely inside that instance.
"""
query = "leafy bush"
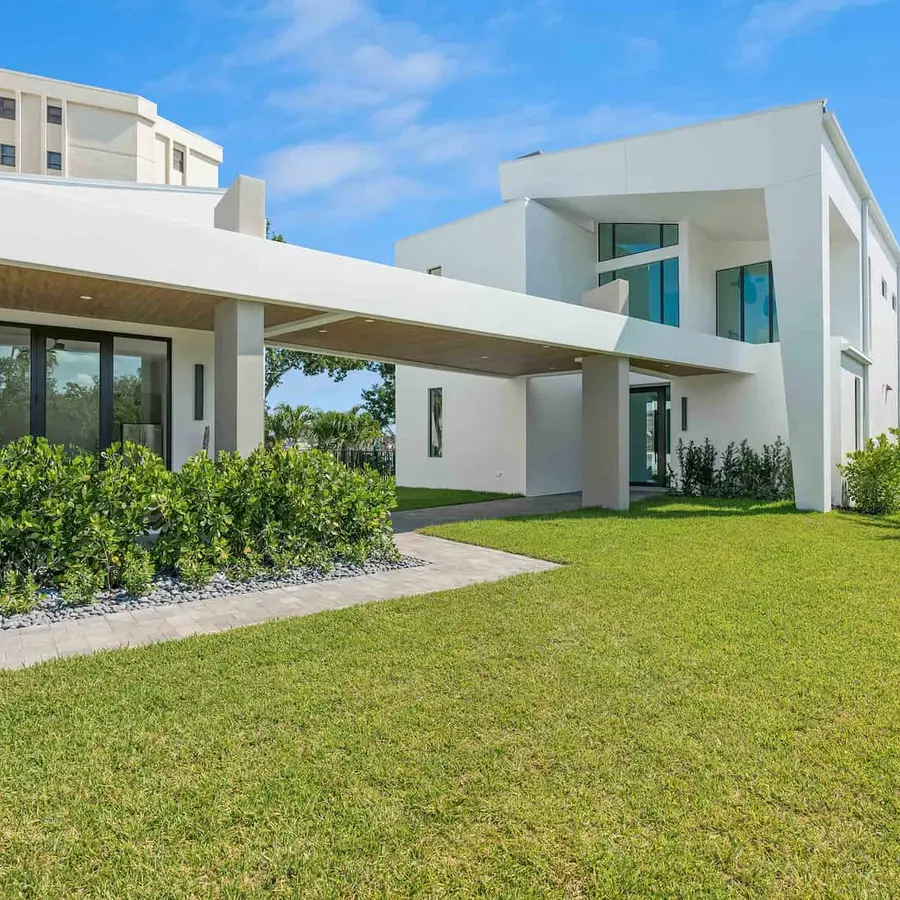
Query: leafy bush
(78, 522)
(742, 472)
(872, 476)
(18, 593)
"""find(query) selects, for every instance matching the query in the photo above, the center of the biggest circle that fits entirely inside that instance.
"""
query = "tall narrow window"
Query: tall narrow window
(745, 304)
(684, 413)
(8, 155)
(436, 422)
(178, 160)
(15, 382)
(7, 107)
(54, 161)
(857, 413)
(54, 114)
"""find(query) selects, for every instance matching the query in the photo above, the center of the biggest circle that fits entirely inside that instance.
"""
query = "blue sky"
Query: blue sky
(374, 119)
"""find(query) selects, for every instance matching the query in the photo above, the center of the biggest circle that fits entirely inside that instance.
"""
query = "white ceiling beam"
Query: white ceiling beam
(306, 324)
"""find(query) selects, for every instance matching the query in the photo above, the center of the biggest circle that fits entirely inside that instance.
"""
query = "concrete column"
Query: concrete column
(240, 368)
(604, 432)
(797, 215)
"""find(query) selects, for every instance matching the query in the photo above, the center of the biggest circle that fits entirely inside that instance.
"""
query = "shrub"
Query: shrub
(137, 571)
(80, 584)
(18, 593)
(872, 476)
(742, 472)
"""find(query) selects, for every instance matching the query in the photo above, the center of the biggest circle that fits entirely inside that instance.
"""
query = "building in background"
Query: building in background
(759, 230)
(55, 128)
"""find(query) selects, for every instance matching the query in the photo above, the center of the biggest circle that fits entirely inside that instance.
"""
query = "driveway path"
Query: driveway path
(451, 565)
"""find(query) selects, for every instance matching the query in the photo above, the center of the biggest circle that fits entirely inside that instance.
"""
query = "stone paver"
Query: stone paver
(451, 565)
(413, 519)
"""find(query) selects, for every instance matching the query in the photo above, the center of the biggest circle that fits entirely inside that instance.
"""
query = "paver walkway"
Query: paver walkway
(451, 565)
(413, 519)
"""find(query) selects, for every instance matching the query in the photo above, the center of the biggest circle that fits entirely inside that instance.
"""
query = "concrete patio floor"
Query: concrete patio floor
(451, 565)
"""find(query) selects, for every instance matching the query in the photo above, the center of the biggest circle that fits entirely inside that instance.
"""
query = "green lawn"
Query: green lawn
(704, 703)
(426, 498)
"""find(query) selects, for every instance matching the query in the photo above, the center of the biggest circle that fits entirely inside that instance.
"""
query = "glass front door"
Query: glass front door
(72, 398)
(648, 435)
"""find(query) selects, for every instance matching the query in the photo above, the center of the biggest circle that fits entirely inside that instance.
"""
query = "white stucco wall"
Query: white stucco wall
(553, 455)
(560, 256)
(484, 432)
(188, 349)
(883, 376)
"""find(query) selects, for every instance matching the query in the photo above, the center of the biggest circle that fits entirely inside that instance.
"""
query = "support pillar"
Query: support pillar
(604, 432)
(240, 376)
(797, 215)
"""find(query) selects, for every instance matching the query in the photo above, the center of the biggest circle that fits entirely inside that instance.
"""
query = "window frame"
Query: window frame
(436, 271)
(53, 168)
(4, 148)
(435, 450)
(662, 286)
(8, 103)
(773, 312)
(662, 245)
(59, 110)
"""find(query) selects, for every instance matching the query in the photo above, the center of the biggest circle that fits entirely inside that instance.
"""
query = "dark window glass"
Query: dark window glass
(745, 304)
(15, 383)
(178, 160)
(615, 241)
(435, 422)
(54, 115)
(7, 155)
(7, 108)
(604, 241)
(728, 304)
(54, 161)
(884, 289)
(652, 290)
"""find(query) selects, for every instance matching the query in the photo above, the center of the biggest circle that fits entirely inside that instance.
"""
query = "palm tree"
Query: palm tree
(289, 424)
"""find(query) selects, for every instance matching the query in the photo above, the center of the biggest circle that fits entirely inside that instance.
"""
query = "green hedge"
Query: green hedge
(872, 475)
(83, 523)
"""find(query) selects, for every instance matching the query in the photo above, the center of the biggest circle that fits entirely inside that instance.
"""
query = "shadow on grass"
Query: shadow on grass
(891, 526)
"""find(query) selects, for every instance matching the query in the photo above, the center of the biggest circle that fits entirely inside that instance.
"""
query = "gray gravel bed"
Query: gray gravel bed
(169, 590)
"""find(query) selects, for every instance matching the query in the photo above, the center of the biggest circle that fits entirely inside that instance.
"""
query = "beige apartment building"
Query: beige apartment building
(56, 128)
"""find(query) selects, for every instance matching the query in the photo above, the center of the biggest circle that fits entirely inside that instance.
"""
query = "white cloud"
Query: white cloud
(773, 21)
(308, 168)
(389, 118)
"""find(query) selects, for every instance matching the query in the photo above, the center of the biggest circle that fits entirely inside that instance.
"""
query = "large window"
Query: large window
(7, 155)
(436, 422)
(625, 239)
(84, 389)
(652, 290)
(7, 108)
(745, 304)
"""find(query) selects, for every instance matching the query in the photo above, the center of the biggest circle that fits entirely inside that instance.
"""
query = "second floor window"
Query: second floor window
(745, 304)
(178, 160)
(652, 290)
(7, 108)
(7, 155)
(626, 238)
(54, 161)
(54, 114)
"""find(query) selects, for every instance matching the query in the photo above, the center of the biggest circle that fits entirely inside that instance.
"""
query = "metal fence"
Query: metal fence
(382, 461)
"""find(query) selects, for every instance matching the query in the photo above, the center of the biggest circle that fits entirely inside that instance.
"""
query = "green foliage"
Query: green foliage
(278, 507)
(872, 476)
(741, 473)
(78, 522)
(18, 593)
(80, 584)
(380, 400)
(287, 423)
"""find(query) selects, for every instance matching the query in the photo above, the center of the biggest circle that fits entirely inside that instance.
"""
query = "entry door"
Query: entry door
(648, 427)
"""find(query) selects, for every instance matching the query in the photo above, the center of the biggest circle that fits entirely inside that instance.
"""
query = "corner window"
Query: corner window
(7, 108)
(435, 422)
(7, 155)
(437, 270)
(745, 304)
(652, 290)
(54, 161)
(625, 239)
(178, 160)
(54, 114)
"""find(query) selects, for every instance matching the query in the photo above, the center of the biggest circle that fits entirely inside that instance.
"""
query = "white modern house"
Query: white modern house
(137, 298)
(737, 278)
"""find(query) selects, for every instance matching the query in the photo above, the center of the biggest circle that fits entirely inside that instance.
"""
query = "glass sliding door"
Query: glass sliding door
(648, 435)
(15, 383)
(72, 392)
(85, 389)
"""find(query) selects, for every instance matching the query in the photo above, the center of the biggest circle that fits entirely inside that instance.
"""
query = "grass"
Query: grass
(427, 498)
(703, 703)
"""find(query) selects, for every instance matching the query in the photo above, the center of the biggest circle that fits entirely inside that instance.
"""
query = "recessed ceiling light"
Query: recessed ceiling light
(545, 346)
(578, 359)
(485, 357)
(86, 297)
(368, 321)
(323, 331)
(553, 368)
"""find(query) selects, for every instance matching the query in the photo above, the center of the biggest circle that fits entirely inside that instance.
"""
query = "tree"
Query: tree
(379, 400)
(287, 423)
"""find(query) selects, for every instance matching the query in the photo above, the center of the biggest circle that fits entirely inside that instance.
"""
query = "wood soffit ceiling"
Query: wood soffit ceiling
(97, 298)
